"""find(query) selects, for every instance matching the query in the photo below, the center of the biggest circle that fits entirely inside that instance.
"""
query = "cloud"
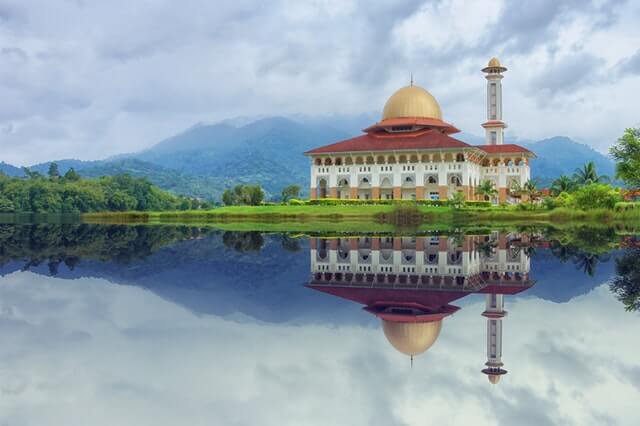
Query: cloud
(113, 78)
(631, 65)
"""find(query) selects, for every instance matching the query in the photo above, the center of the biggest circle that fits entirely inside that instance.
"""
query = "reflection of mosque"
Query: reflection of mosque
(410, 282)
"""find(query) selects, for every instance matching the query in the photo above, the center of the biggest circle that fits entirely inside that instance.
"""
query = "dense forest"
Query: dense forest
(70, 193)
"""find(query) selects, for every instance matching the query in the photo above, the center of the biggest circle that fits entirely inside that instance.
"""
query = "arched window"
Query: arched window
(432, 180)
(455, 180)
(460, 158)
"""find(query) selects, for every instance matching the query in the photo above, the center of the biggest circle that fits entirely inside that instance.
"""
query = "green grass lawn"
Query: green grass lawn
(367, 218)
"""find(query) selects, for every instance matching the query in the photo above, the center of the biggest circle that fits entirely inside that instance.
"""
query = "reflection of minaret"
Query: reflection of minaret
(494, 313)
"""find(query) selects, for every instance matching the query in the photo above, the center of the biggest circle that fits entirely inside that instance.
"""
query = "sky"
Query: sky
(90, 79)
(82, 351)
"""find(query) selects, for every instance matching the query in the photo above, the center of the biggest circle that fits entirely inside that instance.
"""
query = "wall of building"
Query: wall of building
(417, 180)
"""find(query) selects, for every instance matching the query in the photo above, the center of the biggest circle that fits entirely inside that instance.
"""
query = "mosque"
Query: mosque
(409, 283)
(410, 153)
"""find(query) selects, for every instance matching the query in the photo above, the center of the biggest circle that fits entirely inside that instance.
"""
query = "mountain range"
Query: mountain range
(206, 159)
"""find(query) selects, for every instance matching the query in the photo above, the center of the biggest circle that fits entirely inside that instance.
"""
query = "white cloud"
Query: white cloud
(105, 78)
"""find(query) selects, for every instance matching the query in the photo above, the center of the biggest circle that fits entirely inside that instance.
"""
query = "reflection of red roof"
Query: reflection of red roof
(378, 141)
(507, 148)
(427, 299)
(443, 311)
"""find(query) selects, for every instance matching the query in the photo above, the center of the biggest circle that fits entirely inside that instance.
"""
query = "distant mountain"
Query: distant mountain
(208, 158)
(268, 151)
(561, 155)
(10, 170)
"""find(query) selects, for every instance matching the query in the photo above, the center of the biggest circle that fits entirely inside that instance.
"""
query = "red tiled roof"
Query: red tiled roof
(508, 148)
(414, 121)
(428, 139)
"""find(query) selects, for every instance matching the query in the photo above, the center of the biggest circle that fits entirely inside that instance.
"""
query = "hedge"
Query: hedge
(360, 202)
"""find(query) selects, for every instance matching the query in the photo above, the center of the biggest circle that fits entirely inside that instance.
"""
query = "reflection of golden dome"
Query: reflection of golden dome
(411, 338)
(494, 62)
(494, 378)
(411, 102)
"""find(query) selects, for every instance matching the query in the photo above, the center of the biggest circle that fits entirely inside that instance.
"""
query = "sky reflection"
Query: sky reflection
(85, 351)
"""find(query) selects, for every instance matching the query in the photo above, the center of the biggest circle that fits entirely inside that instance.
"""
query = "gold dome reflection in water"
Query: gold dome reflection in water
(411, 338)
(412, 102)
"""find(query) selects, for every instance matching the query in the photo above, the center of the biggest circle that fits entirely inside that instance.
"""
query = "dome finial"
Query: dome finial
(411, 79)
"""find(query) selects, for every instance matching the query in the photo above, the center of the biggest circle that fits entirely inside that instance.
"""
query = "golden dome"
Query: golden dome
(494, 378)
(411, 338)
(411, 102)
(494, 62)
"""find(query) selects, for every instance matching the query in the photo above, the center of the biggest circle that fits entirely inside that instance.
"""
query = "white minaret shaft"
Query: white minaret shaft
(494, 313)
(494, 126)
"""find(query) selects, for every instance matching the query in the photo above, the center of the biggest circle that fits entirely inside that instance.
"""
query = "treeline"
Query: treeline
(70, 193)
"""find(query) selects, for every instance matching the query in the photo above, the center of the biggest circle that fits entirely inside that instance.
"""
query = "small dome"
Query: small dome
(494, 62)
(494, 66)
(494, 378)
(411, 102)
(411, 338)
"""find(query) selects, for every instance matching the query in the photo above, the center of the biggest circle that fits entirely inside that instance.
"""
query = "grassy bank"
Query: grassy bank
(309, 217)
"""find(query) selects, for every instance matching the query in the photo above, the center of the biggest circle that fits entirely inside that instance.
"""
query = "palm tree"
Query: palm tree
(562, 184)
(530, 189)
(487, 190)
(588, 175)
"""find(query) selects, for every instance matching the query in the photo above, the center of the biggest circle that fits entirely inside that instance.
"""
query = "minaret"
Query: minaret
(494, 313)
(494, 126)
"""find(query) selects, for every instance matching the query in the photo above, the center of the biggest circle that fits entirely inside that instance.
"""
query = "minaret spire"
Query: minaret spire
(494, 126)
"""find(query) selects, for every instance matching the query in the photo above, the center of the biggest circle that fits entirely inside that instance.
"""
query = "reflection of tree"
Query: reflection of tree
(243, 241)
(52, 244)
(487, 248)
(584, 247)
(626, 285)
(587, 262)
(290, 243)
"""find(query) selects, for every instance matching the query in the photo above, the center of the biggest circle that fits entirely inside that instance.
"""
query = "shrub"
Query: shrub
(478, 203)
(625, 206)
(296, 202)
(457, 201)
(596, 195)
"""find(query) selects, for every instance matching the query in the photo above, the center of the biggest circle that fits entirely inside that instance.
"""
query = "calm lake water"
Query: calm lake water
(164, 325)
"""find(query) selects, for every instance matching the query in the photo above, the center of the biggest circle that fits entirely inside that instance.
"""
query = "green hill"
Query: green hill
(206, 159)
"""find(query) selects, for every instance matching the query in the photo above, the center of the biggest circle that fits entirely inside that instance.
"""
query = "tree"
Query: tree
(596, 195)
(6, 206)
(54, 172)
(31, 174)
(529, 188)
(588, 175)
(229, 198)
(487, 190)
(457, 200)
(562, 184)
(289, 192)
(626, 152)
(71, 175)
(251, 195)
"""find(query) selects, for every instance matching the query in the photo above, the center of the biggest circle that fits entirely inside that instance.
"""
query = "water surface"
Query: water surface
(177, 325)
